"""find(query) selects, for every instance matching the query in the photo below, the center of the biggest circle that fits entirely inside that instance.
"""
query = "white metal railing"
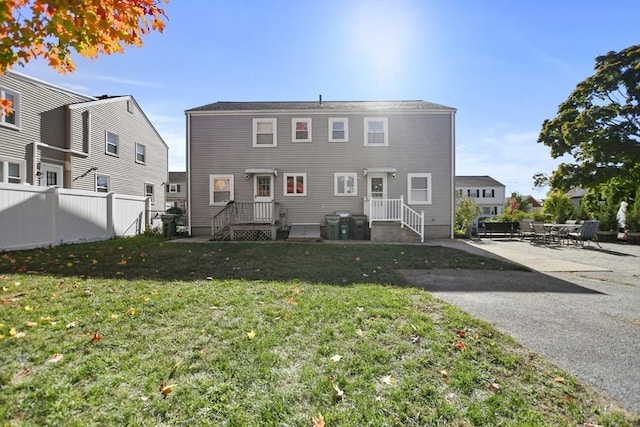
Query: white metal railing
(396, 210)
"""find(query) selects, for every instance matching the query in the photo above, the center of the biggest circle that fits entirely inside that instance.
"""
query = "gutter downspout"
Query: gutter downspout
(189, 173)
(453, 173)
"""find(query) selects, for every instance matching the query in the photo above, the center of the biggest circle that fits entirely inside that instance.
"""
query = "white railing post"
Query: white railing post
(402, 211)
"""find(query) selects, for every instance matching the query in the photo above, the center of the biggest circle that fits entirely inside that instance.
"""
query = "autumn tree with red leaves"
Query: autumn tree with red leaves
(53, 29)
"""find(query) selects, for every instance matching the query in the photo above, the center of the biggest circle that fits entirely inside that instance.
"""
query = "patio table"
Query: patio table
(561, 231)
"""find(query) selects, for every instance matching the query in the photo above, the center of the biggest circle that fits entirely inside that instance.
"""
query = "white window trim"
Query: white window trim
(333, 120)
(173, 188)
(95, 181)
(153, 191)
(144, 154)
(15, 106)
(385, 127)
(22, 167)
(345, 174)
(106, 144)
(59, 169)
(231, 189)
(255, 132)
(410, 201)
(294, 176)
(294, 121)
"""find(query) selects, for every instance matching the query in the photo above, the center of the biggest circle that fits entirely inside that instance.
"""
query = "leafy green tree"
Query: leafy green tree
(466, 211)
(558, 206)
(599, 126)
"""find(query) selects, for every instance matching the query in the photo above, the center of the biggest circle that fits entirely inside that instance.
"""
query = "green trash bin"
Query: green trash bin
(333, 227)
(359, 227)
(169, 222)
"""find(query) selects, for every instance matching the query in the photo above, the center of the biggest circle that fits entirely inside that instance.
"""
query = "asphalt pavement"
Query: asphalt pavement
(578, 307)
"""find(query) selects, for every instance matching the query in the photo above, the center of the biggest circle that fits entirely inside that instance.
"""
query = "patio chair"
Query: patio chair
(540, 234)
(587, 233)
(526, 229)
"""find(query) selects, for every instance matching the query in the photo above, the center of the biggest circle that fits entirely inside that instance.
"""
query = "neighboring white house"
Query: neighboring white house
(176, 189)
(58, 137)
(485, 191)
(255, 167)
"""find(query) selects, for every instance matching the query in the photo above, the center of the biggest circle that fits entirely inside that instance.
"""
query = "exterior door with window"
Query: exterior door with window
(50, 175)
(377, 192)
(263, 198)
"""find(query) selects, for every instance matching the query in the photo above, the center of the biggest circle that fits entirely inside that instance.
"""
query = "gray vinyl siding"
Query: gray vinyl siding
(125, 175)
(419, 142)
(42, 119)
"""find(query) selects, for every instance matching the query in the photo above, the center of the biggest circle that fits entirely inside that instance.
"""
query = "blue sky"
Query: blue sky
(505, 65)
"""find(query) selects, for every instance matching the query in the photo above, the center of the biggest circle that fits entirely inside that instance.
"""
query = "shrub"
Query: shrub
(559, 207)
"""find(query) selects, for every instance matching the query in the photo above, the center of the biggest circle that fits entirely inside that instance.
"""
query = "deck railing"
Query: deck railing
(245, 213)
(396, 210)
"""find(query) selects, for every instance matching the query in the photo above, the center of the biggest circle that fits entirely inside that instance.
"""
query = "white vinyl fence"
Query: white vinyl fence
(32, 217)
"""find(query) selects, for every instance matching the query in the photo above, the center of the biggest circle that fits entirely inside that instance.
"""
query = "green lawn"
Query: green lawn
(142, 332)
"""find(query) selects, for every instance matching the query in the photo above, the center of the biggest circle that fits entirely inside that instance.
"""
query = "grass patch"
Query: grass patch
(259, 334)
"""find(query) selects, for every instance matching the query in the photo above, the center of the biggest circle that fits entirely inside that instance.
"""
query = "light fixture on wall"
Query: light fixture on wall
(247, 176)
(393, 175)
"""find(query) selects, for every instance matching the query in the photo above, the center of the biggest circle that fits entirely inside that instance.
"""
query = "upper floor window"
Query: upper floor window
(112, 143)
(338, 130)
(173, 188)
(295, 184)
(265, 133)
(220, 189)
(12, 171)
(11, 119)
(419, 185)
(345, 184)
(148, 190)
(301, 130)
(375, 131)
(102, 183)
(141, 153)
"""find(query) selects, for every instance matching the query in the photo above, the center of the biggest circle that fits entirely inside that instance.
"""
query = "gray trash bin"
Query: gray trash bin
(333, 227)
(359, 227)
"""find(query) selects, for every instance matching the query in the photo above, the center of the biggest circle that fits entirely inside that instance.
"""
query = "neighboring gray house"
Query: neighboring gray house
(255, 168)
(58, 137)
(485, 191)
(576, 194)
(176, 191)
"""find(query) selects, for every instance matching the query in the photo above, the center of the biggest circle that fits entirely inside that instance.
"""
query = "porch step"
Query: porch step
(304, 233)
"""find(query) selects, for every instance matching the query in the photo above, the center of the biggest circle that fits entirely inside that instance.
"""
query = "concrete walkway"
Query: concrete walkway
(579, 307)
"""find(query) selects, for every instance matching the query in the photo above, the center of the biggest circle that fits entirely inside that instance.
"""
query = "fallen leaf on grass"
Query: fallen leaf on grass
(318, 421)
(28, 308)
(415, 338)
(461, 334)
(291, 300)
(251, 335)
(55, 358)
(339, 392)
(494, 387)
(388, 379)
(168, 388)
(559, 380)
(460, 345)
(71, 325)
(336, 358)
(444, 373)
(29, 324)
(96, 337)
(131, 312)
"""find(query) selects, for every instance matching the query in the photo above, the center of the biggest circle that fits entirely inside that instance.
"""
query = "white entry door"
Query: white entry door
(377, 185)
(50, 175)
(263, 198)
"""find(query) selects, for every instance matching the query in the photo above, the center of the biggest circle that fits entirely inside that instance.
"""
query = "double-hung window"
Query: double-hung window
(376, 132)
(265, 133)
(11, 171)
(141, 153)
(220, 189)
(295, 184)
(173, 188)
(301, 130)
(102, 183)
(112, 142)
(11, 119)
(419, 185)
(338, 129)
(345, 184)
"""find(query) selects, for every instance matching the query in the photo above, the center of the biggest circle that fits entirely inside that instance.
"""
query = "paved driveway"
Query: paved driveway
(579, 308)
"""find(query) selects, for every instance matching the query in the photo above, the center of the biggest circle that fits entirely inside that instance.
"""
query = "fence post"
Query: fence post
(53, 197)
(110, 215)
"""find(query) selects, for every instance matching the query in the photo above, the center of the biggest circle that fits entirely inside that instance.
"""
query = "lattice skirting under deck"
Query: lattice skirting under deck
(253, 232)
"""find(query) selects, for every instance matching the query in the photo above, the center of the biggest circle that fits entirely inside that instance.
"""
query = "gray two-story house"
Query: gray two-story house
(254, 168)
(58, 137)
